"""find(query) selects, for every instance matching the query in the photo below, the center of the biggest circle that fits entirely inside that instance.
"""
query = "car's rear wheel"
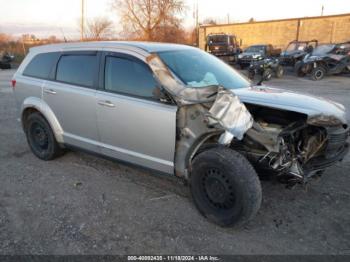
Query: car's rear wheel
(318, 73)
(40, 137)
(225, 187)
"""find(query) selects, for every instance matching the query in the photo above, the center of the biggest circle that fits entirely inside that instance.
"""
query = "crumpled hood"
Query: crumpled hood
(310, 105)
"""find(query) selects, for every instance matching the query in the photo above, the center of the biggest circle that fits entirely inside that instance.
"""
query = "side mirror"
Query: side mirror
(160, 94)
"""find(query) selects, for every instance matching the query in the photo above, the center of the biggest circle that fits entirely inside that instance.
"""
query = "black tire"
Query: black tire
(300, 73)
(267, 74)
(225, 187)
(318, 73)
(279, 71)
(298, 69)
(251, 74)
(40, 138)
(242, 66)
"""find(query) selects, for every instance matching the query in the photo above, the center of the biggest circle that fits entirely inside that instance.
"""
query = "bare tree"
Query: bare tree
(98, 27)
(209, 21)
(145, 17)
(4, 38)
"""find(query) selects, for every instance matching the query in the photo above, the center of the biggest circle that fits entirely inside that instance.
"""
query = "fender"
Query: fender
(45, 110)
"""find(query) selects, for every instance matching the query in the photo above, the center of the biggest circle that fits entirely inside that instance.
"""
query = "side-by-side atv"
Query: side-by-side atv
(327, 59)
(296, 51)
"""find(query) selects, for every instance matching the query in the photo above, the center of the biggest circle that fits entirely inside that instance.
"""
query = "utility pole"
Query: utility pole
(23, 46)
(82, 20)
(322, 10)
(197, 24)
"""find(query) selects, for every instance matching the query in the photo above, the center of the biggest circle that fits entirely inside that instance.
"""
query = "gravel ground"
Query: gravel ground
(82, 204)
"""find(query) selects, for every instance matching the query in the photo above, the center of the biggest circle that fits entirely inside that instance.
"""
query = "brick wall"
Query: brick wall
(326, 29)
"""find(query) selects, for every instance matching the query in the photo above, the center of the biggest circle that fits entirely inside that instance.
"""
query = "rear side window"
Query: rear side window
(79, 70)
(41, 65)
(129, 77)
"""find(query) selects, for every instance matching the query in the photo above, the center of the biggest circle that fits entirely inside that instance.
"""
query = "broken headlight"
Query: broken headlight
(323, 120)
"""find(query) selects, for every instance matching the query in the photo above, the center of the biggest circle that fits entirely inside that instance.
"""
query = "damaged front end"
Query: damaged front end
(292, 145)
(205, 114)
(295, 151)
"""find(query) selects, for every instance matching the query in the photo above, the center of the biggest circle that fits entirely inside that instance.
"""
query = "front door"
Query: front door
(133, 125)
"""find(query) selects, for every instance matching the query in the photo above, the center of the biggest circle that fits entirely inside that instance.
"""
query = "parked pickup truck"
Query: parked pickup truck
(257, 52)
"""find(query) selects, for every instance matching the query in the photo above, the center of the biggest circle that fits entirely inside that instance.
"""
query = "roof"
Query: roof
(149, 47)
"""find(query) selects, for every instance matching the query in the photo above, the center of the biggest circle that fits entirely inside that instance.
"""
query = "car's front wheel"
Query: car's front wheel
(40, 137)
(225, 187)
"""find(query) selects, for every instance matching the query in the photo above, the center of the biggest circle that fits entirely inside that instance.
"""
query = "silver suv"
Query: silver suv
(177, 110)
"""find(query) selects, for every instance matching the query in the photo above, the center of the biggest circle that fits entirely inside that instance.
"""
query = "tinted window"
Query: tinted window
(41, 65)
(77, 69)
(129, 77)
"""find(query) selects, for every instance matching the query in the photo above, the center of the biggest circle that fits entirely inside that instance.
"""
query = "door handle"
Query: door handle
(106, 103)
(50, 91)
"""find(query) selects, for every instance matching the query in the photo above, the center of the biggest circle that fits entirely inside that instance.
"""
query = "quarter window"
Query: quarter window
(77, 69)
(130, 77)
(41, 65)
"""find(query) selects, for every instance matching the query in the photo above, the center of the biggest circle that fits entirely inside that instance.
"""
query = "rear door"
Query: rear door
(72, 97)
(133, 125)
(31, 81)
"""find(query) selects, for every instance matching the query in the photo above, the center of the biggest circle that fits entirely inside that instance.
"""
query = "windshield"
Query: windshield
(217, 39)
(196, 68)
(322, 50)
(296, 46)
(255, 49)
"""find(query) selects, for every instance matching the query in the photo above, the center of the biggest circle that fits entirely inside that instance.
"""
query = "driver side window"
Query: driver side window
(130, 77)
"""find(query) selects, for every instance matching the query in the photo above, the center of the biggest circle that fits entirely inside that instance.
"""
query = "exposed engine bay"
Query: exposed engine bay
(283, 142)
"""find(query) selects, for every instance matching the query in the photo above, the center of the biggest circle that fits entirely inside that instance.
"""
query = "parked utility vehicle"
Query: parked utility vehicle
(177, 110)
(325, 60)
(265, 68)
(296, 51)
(5, 60)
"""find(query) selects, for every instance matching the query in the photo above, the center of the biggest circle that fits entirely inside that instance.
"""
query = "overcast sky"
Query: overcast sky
(51, 17)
